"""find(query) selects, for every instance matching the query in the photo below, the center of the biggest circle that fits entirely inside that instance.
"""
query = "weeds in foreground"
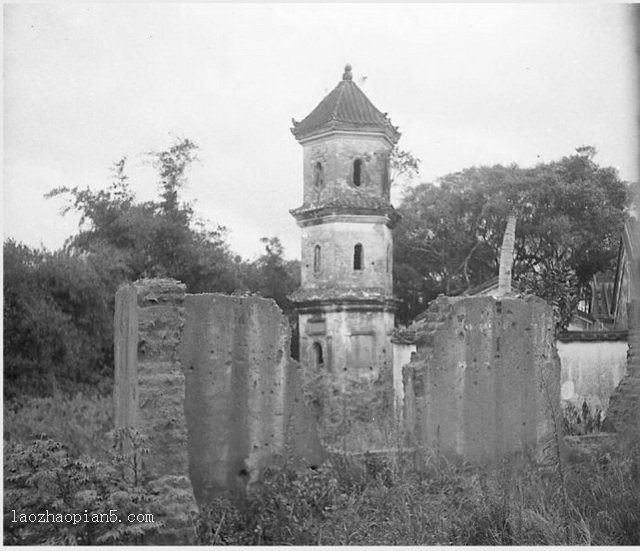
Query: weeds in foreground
(52, 498)
(581, 421)
(368, 501)
(383, 499)
(81, 422)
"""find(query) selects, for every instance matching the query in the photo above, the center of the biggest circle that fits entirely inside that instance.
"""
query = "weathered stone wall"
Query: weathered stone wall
(591, 371)
(149, 396)
(244, 402)
(624, 406)
(337, 155)
(485, 382)
(209, 381)
(356, 344)
(337, 241)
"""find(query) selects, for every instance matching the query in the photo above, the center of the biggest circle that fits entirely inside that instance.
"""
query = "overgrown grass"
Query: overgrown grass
(374, 501)
(370, 499)
(81, 422)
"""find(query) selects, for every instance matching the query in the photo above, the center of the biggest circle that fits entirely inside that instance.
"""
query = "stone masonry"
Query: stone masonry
(623, 415)
(244, 403)
(149, 396)
(208, 379)
(485, 380)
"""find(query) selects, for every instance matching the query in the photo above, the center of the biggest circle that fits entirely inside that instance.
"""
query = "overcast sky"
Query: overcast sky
(85, 84)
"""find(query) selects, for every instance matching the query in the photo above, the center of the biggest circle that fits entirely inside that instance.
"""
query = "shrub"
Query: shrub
(41, 477)
(581, 421)
(58, 330)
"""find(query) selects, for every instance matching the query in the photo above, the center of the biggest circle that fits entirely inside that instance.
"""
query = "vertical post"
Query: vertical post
(506, 256)
(149, 395)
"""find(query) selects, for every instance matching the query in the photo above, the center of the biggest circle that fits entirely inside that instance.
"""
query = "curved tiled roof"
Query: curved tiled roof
(345, 108)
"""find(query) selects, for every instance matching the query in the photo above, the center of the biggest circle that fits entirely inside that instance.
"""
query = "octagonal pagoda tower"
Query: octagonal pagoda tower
(345, 303)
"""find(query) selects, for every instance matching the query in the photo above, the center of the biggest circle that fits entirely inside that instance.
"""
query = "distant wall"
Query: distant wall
(485, 382)
(590, 371)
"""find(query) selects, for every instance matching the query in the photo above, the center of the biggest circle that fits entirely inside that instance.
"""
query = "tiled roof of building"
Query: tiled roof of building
(345, 108)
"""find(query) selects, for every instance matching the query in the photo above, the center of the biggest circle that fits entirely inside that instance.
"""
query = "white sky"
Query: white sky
(85, 84)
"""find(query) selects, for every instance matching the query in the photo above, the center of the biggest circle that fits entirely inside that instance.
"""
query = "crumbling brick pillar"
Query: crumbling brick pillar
(149, 395)
(485, 382)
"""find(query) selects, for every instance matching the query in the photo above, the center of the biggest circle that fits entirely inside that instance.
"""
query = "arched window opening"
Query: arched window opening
(318, 178)
(318, 360)
(357, 257)
(357, 172)
(388, 258)
(316, 259)
(385, 179)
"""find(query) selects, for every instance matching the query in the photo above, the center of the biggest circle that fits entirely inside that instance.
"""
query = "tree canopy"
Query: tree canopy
(58, 306)
(161, 238)
(569, 217)
(58, 309)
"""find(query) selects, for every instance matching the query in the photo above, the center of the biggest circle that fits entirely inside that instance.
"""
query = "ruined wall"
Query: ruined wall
(244, 403)
(208, 379)
(624, 406)
(149, 396)
(590, 371)
(486, 379)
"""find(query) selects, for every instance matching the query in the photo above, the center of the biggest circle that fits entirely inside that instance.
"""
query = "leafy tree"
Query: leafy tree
(404, 166)
(569, 214)
(58, 309)
(271, 276)
(57, 321)
(161, 238)
(274, 277)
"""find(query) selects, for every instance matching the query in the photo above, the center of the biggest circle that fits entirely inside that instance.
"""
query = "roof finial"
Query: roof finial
(347, 72)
